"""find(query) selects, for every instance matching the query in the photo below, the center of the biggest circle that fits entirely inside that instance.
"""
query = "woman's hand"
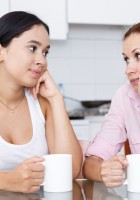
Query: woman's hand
(26, 177)
(112, 171)
(46, 87)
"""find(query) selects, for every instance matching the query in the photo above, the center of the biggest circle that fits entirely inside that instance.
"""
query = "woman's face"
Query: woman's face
(24, 60)
(131, 53)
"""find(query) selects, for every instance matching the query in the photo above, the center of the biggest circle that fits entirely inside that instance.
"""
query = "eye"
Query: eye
(126, 60)
(137, 55)
(45, 53)
(32, 48)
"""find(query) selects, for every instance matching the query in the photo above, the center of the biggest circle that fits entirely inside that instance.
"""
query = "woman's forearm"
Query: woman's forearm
(92, 168)
(65, 140)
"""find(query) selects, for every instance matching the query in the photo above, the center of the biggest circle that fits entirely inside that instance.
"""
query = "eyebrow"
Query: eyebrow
(132, 51)
(38, 43)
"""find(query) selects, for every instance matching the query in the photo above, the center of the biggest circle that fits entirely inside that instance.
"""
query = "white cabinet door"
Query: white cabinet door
(4, 8)
(53, 12)
(119, 12)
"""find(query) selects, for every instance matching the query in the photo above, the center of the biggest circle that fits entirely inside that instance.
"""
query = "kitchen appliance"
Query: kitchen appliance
(80, 109)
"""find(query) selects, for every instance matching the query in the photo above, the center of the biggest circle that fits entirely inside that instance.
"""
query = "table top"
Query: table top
(82, 190)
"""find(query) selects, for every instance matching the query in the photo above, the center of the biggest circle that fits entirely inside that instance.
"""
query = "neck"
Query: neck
(10, 97)
(11, 91)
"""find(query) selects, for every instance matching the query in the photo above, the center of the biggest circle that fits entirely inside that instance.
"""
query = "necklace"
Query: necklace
(17, 104)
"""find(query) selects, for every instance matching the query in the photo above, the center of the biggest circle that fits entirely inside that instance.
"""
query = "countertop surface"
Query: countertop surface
(82, 190)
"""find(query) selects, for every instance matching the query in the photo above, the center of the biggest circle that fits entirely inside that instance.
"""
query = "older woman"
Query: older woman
(122, 121)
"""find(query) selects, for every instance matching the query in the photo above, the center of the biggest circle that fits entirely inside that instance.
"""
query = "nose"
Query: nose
(41, 60)
(131, 67)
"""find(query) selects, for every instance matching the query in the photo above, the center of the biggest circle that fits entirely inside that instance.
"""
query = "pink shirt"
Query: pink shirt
(121, 122)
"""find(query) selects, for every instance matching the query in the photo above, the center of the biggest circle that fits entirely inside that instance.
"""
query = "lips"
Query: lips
(134, 81)
(35, 73)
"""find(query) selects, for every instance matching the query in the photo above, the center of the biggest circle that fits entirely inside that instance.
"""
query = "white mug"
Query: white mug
(58, 195)
(133, 196)
(58, 173)
(133, 173)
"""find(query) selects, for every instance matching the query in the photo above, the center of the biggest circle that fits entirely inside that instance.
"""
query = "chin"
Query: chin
(29, 85)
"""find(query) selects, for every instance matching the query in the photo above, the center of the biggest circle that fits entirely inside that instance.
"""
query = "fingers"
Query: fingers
(33, 175)
(121, 159)
(27, 176)
(36, 167)
(112, 171)
(32, 189)
(114, 183)
(34, 160)
(36, 175)
(45, 87)
(35, 90)
(37, 181)
(116, 172)
(41, 80)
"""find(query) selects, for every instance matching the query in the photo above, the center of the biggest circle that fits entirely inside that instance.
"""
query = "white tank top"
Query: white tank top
(11, 154)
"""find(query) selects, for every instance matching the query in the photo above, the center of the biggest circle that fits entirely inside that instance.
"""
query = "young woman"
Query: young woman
(122, 121)
(33, 118)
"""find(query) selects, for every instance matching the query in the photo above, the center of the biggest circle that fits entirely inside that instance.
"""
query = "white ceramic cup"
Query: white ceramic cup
(133, 173)
(133, 196)
(58, 173)
(58, 195)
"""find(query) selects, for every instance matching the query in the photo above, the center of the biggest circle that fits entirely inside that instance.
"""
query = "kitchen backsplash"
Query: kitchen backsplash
(89, 63)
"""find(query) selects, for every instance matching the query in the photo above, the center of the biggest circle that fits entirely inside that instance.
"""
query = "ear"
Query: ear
(1, 58)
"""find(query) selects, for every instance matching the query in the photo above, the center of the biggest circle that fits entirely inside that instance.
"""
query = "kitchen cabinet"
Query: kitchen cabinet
(4, 7)
(81, 129)
(86, 129)
(53, 12)
(95, 123)
(117, 12)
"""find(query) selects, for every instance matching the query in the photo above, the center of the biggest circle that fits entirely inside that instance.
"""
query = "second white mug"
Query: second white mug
(133, 173)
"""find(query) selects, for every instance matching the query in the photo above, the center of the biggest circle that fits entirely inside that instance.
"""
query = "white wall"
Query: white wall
(89, 63)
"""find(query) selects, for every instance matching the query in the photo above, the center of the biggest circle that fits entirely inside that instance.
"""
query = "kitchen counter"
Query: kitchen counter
(95, 118)
(81, 128)
(82, 190)
(86, 129)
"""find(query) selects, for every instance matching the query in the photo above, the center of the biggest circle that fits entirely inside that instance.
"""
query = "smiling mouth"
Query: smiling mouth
(134, 81)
